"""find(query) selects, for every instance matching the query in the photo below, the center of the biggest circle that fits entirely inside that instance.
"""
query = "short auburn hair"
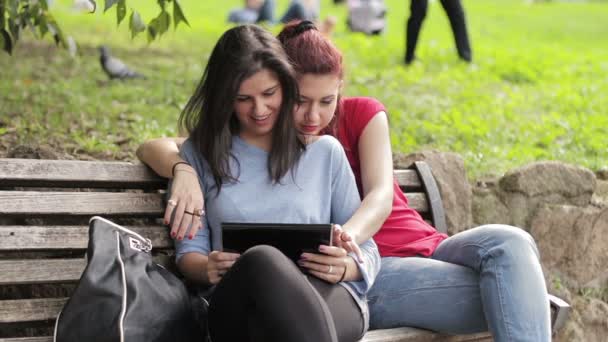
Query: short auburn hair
(311, 52)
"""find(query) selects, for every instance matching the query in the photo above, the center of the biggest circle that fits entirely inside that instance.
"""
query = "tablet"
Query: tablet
(290, 238)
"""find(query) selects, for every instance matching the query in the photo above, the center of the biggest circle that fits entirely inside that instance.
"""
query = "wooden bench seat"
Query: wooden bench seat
(44, 210)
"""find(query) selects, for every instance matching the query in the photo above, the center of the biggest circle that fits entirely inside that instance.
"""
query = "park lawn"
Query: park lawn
(536, 89)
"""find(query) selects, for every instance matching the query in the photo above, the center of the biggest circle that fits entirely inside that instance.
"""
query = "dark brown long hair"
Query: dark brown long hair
(209, 114)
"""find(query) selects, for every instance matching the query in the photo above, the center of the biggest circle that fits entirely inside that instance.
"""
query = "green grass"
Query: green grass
(536, 89)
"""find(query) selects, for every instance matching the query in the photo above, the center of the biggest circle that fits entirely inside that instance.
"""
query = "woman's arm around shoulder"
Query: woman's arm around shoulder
(376, 165)
(161, 154)
(186, 195)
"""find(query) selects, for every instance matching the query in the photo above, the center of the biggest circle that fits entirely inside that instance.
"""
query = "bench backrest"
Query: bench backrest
(44, 210)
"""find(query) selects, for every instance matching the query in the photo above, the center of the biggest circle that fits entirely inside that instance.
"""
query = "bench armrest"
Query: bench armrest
(559, 312)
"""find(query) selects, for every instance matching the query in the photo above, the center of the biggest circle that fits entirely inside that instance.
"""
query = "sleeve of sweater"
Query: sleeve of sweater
(201, 241)
(344, 202)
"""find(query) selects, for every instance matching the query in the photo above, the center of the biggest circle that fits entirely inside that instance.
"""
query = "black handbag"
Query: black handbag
(124, 296)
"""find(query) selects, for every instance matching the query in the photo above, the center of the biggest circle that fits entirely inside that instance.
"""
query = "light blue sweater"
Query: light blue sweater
(321, 190)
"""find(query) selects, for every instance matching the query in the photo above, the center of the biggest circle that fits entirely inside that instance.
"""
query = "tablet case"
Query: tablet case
(291, 239)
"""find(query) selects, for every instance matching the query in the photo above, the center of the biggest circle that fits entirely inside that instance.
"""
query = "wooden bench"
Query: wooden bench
(44, 210)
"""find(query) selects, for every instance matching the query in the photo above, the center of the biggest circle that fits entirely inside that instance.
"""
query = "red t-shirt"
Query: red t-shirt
(404, 233)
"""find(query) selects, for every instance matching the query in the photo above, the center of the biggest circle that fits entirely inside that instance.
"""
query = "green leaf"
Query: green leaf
(56, 31)
(7, 42)
(164, 21)
(109, 4)
(178, 14)
(2, 11)
(13, 27)
(42, 26)
(152, 29)
(13, 9)
(136, 25)
(121, 11)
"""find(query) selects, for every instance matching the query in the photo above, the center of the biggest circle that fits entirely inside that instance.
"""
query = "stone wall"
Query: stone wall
(564, 207)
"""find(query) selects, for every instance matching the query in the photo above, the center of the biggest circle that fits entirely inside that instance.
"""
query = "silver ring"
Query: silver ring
(330, 269)
(172, 203)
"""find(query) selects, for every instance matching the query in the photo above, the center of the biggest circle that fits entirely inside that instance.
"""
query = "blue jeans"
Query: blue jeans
(295, 11)
(252, 16)
(485, 278)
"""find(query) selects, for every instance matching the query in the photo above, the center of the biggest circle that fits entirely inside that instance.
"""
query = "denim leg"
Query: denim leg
(295, 11)
(266, 12)
(243, 16)
(428, 294)
(511, 281)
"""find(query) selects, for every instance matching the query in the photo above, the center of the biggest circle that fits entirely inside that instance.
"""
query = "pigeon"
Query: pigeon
(114, 67)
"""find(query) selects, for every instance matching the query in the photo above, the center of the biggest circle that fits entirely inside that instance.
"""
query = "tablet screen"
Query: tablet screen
(291, 239)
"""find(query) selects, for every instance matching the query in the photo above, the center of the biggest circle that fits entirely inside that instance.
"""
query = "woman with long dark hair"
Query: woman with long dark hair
(252, 167)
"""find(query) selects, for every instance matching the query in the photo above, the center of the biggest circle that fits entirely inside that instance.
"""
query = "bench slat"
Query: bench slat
(407, 179)
(30, 310)
(387, 335)
(402, 335)
(47, 271)
(28, 339)
(418, 335)
(15, 238)
(77, 174)
(105, 174)
(417, 201)
(40, 271)
(35, 203)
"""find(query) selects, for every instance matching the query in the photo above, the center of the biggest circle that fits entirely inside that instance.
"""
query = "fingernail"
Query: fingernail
(190, 236)
(304, 256)
(323, 248)
(173, 234)
(180, 237)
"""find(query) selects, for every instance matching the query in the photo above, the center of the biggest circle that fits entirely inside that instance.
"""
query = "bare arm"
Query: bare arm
(376, 160)
(161, 154)
(194, 267)
(186, 196)
(204, 269)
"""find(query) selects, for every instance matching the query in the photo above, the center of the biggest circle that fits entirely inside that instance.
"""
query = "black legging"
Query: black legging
(265, 297)
(453, 8)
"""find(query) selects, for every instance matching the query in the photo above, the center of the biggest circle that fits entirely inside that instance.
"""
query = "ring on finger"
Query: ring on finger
(199, 212)
(330, 269)
(188, 212)
(172, 203)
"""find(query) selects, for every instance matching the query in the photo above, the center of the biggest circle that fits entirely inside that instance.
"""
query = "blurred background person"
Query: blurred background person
(257, 11)
(455, 13)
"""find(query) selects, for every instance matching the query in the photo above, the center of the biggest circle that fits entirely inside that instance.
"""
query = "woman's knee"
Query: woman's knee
(510, 237)
(264, 258)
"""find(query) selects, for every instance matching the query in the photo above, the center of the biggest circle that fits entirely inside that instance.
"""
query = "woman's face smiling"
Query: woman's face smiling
(317, 103)
(257, 105)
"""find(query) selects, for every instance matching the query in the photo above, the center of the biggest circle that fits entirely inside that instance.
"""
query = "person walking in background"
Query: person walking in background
(454, 11)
